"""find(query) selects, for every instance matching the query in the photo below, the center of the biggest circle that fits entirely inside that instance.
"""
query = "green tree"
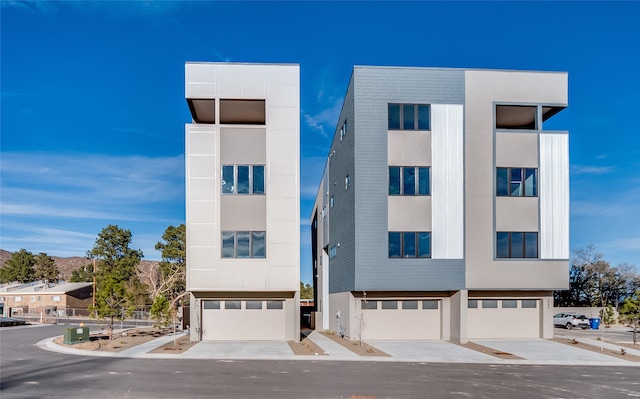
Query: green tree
(115, 274)
(306, 291)
(166, 280)
(630, 312)
(83, 274)
(18, 268)
(46, 268)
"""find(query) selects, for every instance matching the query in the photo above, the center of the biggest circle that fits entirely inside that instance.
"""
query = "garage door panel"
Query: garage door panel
(243, 324)
(401, 324)
(503, 323)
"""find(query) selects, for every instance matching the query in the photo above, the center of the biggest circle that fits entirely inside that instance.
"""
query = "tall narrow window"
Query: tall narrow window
(243, 179)
(408, 245)
(394, 244)
(394, 116)
(228, 244)
(515, 183)
(227, 179)
(409, 181)
(243, 244)
(258, 244)
(258, 179)
(424, 245)
(423, 117)
(394, 180)
(531, 183)
(408, 117)
(424, 181)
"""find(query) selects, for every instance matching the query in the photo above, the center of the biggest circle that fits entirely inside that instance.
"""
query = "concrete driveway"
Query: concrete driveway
(545, 351)
(431, 351)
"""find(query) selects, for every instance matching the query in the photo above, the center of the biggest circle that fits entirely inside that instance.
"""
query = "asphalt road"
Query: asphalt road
(26, 371)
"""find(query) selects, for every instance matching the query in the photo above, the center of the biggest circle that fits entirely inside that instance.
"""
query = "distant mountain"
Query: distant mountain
(65, 265)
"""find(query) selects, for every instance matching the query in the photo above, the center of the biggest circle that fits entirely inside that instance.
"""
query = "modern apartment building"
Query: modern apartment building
(242, 201)
(443, 211)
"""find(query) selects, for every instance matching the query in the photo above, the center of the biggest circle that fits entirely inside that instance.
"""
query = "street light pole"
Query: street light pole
(94, 289)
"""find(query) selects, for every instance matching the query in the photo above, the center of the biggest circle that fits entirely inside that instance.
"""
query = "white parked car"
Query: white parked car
(571, 320)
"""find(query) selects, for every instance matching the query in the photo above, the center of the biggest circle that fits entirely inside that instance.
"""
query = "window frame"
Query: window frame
(403, 248)
(512, 253)
(418, 123)
(525, 187)
(418, 188)
(250, 236)
(252, 184)
(343, 130)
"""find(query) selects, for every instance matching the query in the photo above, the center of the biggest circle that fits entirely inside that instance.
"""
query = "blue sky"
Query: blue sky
(93, 110)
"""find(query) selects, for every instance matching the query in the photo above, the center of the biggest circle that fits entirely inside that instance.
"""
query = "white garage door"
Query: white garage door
(503, 318)
(401, 319)
(243, 320)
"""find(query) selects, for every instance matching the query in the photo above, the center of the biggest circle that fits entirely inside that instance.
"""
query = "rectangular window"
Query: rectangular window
(424, 245)
(211, 305)
(17, 299)
(369, 305)
(274, 305)
(409, 305)
(509, 304)
(489, 304)
(472, 304)
(409, 180)
(347, 182)
(430, 304)
(409, 244)
(232, 305)
(56, 298)
(516, 244)
(343, 130)
(409, 116)
(394, 180)
(243, 179)
(258, 179)
(333, 251)
(331, 201)
(395, 243)
(256, 305)
(529, 303)
(516, 182)
(228, 183)
(389, 305)
(244, 244)
(33, 298)
(516, 117)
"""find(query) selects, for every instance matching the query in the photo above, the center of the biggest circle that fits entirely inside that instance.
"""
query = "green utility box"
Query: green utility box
(75, 335)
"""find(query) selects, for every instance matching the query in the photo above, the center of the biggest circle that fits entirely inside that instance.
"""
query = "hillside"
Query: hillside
(65, 265)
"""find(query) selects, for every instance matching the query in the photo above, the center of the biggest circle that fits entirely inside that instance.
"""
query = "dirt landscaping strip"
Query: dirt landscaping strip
(305, 347)
(489, 351)
(355, 346)
(121, 341)
(617, 354)
(182, 344)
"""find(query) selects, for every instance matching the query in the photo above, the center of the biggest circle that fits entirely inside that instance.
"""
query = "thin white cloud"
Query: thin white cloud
(324, 121)
(591, 170)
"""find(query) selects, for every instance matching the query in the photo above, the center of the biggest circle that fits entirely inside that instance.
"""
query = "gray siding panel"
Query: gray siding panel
(373, 89)
(341, 216)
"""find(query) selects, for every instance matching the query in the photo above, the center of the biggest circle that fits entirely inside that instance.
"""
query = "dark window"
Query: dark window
(274, 304)
(244, 244)
(211, 304)
(409, 244)
(395, 243)
(232, 305)
(394, 180)
(516, 182)
(489, 303)
(254, 304)
(509, 303)
(409, 116)
(430, 304)
(409, 180)
(258, 179)
(516, 244)
(389, 304)
(343, 131)
(424, 245)
(243, 179)
(472, 304)
(371, 305)
(409, 304)
(529, 303)
(394, 116)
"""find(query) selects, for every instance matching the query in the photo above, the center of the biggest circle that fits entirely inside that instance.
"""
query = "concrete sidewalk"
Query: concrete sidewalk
(533, 351)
